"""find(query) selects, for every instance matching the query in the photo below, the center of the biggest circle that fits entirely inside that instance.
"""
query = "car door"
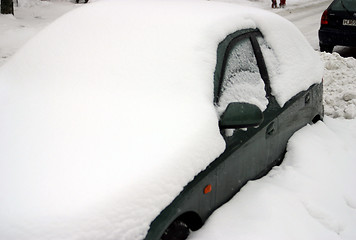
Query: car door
(246, 154)
(275, 145)
(293, 115)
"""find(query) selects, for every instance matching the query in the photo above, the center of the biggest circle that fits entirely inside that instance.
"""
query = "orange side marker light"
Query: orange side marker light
(207, 189)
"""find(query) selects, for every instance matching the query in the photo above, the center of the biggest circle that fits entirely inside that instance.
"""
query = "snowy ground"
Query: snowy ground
(312, 194)
(30, 17)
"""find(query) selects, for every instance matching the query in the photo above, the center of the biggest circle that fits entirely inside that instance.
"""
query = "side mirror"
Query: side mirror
(241, 115)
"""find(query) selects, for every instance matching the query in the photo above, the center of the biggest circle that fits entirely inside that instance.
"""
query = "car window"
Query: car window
(342, 5)
(242, 80)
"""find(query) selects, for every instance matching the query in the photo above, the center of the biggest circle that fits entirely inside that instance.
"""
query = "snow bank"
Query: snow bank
(310, 196)
(339, 86)
(108, 113)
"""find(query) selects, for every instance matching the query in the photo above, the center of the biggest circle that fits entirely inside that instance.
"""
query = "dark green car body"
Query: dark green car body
(250, 152)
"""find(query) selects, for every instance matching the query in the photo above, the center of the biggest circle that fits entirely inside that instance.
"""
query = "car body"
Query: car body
(257, 144)
(147, 117)
(338, 25)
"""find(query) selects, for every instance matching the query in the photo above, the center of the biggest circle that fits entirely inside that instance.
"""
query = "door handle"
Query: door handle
(271, 129)
(307, 98)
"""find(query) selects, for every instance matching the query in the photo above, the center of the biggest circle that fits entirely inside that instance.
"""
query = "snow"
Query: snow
(253, 92)
(339, 84)
(242, 80)
(310, 196)
(302, 74)
(30, 17)
(106, 125)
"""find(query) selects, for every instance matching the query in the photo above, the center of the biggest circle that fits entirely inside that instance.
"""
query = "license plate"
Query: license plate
(349, 22)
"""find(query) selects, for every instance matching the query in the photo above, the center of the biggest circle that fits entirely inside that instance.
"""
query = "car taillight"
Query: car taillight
(324, 18)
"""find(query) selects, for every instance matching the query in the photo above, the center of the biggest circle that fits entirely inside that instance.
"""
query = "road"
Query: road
(307, 19)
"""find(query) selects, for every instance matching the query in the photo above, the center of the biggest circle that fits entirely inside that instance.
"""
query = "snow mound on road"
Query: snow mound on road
(339, 86)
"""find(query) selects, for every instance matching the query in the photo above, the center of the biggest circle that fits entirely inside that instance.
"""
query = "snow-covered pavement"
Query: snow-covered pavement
(30, 17)
(312, 194)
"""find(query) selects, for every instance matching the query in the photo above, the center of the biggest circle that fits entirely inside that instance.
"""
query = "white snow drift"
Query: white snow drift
(339, 86)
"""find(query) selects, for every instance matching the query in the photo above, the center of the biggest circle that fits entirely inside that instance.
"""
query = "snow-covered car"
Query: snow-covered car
(338, 25)
(137, 119)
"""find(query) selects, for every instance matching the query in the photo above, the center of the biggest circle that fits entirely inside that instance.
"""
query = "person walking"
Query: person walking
(274, 3)
(282, 3)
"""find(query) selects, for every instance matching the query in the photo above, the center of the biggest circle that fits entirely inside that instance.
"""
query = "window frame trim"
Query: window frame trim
(224, 48)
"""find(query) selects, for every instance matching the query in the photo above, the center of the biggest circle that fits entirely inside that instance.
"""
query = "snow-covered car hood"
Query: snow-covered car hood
(108, 113)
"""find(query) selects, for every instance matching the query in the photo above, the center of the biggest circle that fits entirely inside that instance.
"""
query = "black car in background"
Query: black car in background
(338, 25)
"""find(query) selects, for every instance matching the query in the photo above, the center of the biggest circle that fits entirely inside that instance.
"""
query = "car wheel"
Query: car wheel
(178, 230)
(326, 48)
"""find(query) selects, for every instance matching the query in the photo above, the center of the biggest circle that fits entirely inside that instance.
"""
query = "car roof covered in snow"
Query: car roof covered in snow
(108, 113)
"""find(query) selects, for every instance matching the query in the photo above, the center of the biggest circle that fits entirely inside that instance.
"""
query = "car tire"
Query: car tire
(326, 48)
(178, 230)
